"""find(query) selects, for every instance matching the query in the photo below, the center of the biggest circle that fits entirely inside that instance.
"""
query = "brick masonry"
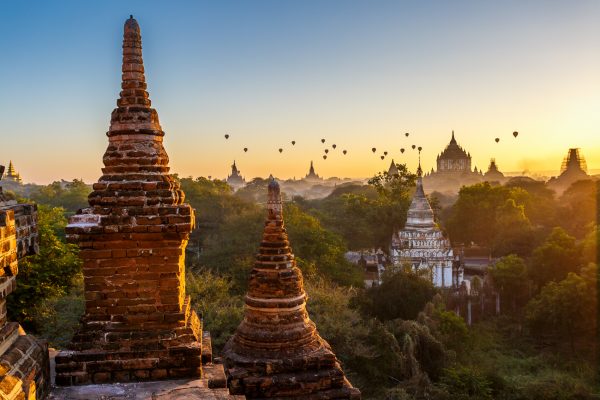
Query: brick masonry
(276, 351)
(138, 323)
(24, 364)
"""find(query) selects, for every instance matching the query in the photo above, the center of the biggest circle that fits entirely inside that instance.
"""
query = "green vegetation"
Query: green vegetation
(398, 340)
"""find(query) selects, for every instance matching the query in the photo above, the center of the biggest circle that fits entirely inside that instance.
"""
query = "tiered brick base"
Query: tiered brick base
(276, 351)
(24, 365)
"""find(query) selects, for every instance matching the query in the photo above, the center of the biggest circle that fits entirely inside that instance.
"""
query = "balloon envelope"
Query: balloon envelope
(322, 140)
(293, 142)
(515, 133)
(373, 149)
(226, 136)
(324, 157)
(413, 146)
(344, 151)
(406, 134)
(326, 151)
(245, 149)
(382, 157)
(385, 153)
(497, 140)
(420, 148)
(280, 150)
(402, 150)
(334, 146)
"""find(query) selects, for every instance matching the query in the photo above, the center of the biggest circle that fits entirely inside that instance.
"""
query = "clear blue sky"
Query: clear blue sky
(357, 73)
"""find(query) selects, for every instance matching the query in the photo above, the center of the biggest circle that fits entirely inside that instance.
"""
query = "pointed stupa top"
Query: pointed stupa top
(136, 165)
(420, 214)
(453, 151)
(133, 112)
(11, 169)
(276, 285)
(393, 170)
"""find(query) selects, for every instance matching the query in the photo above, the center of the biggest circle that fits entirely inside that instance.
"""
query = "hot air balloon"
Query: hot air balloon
(406, 134)
(322, 140)
(280, 150)
(420, 148)
(245, 149)
(344, 152)
(373, 149)
(334, 146)
(385, 153)
(497, 140)
(402, 150)
(413, 146)
(326, 151)
(293, 142)
(382, 157)
(515, 133)
(324, 157)
(226, 136)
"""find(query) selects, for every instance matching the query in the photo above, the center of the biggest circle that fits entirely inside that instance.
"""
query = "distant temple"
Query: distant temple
(493, 174)
(312, 175)
(454, 169)
(572, 169)
(12, 175)
(235, 180)
(422, 245)
(393, 170)
(454, 159)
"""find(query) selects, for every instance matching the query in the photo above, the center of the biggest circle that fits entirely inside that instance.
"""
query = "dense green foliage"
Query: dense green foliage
(48, 274)
(398, 340)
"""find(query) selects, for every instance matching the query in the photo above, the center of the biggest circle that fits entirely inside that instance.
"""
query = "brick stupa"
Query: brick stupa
(276, 351)
(138, 324)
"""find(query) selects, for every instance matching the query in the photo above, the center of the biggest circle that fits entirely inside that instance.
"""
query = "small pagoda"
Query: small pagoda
(276, 351)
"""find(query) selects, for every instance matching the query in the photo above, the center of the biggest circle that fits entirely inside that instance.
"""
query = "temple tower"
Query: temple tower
(312, 175)
(421, 244)
(138, 322)
(276, 351)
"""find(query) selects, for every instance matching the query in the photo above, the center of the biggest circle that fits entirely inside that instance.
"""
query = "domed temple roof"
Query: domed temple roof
(453, 151)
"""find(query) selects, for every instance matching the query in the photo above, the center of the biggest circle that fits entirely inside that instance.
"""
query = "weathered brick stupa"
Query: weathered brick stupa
(138, 323)
(24, 364)
(276, 351)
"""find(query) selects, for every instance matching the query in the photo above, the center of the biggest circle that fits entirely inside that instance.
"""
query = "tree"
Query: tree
(510, 278)
(555, 258)
(514, 234)
(71, 195)
(579, 207)
(47, 274)
(400, 295)
(565, 309)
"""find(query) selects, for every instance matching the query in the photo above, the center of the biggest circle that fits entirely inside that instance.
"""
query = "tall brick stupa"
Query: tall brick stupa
(138, 323)
(276, 351)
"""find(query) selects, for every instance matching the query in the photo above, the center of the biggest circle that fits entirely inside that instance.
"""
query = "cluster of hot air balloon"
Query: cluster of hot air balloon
(373, 149)
(515, 134)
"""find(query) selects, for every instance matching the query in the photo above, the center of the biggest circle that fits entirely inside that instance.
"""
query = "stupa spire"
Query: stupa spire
(133, 110)
(453, 140)
(276, 341)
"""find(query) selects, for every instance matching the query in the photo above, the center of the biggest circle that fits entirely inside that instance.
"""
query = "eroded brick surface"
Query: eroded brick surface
(138, 323)
(276, 351)
(24, 366)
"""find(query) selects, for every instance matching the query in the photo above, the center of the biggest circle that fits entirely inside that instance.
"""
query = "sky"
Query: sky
(359, 74)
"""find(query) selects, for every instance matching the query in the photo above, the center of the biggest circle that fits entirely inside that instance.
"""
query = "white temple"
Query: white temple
(422, 245)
